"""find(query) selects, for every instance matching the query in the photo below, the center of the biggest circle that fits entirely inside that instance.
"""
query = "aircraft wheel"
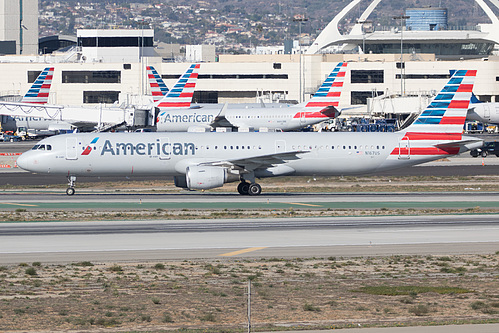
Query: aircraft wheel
(243, 188)
(70, 191)
(254, 189)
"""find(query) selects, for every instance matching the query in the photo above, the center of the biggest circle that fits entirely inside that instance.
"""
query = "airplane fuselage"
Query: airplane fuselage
(170, 154)
(12, 123)
(484, 112)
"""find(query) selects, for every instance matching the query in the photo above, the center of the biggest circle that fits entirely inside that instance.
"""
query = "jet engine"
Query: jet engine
(206, 177)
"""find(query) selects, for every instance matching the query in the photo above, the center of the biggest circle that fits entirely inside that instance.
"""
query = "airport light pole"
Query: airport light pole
(300, 19)
(364, 33)
(402, 65)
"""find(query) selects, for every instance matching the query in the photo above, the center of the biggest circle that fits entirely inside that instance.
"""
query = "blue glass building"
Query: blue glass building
(426, 19)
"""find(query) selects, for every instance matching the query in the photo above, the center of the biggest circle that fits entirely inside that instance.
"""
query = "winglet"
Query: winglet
(39, 91)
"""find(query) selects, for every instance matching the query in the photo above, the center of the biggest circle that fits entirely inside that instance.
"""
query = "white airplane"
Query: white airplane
(483, 112)
(38, 94)
(200, 161)
(321, 107)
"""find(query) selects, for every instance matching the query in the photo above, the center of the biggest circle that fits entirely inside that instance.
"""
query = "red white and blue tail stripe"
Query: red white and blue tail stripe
(39, 91)
(180, 96)
(330, 91)
(438, 129)
(447, 112)
(158, 86)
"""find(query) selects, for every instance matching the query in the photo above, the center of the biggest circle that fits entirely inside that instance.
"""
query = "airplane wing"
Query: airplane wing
(249, 164)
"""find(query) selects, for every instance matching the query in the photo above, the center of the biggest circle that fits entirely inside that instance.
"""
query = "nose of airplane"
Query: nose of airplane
(22, 161)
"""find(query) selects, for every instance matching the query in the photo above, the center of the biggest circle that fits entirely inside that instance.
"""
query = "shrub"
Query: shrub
(208, 317)
(30, 271)
(167, 318)
(159, 266)
(310, 307)
(420, 310)
(116, 268)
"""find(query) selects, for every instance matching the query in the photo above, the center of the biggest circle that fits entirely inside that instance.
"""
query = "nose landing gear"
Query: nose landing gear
(71, 183)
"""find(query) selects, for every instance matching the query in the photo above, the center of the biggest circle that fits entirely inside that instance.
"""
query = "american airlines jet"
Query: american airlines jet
(37, 94)
(200, 161)
(483, 112)
(321, 107)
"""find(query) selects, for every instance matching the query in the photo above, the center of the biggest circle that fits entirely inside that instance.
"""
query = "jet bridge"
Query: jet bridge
(99, 116)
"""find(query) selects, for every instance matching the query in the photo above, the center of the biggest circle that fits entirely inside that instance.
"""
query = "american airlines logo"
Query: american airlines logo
(157, 148)
(87, 150)
(186, 118)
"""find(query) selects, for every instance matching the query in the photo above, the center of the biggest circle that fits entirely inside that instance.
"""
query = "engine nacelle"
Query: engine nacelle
(205, 177)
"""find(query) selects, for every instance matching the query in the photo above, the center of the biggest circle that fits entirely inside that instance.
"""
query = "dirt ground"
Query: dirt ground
(211, 295)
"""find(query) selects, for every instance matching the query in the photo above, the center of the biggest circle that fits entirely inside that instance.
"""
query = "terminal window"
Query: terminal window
(360, 97)
(96, 97)
(91, 77)
(367, 76)
(32, 75)
(231, 76)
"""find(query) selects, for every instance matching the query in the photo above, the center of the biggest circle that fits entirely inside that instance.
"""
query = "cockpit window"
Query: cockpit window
(42, 147)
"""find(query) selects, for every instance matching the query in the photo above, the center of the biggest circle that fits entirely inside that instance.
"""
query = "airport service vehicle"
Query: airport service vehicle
(200, 161)
(489, 148)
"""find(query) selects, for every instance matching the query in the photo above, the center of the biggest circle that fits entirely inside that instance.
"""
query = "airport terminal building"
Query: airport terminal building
(109, 66)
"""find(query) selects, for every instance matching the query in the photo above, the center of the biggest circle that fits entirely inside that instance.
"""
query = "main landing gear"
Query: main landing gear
(245, 188)
(71, 183)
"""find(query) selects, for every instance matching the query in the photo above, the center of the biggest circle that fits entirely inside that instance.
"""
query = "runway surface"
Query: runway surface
(283, 237)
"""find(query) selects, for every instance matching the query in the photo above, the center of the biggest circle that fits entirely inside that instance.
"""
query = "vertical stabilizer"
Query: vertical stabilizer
(329, 92)
(158, 86)
(39, 91)
(447, 112)
(180, 96)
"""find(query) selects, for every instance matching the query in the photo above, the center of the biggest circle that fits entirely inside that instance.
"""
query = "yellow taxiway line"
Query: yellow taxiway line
(16, 204)
(235, 253)
(302, 204)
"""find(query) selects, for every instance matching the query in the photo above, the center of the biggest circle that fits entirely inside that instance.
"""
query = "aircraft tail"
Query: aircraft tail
(180, 96)
(329, 92)
(39, 91)
(447, 112)
(438, 130)
(158, 86)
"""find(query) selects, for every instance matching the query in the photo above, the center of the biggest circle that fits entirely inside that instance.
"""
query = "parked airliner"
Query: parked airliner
(38, 94)
(483, 112)
(200, 161)
(321, 107)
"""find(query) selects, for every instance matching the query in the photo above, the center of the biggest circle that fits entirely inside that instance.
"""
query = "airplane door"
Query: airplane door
(280, 146)
(72, 148)
(486, 111)
(404, 149)
(165, 149)
(302, 118)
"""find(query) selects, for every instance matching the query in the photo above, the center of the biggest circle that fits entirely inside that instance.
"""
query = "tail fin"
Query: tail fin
(180, 96)
(158, 87)
(39, 91)
(330, 91)
(447, 112)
